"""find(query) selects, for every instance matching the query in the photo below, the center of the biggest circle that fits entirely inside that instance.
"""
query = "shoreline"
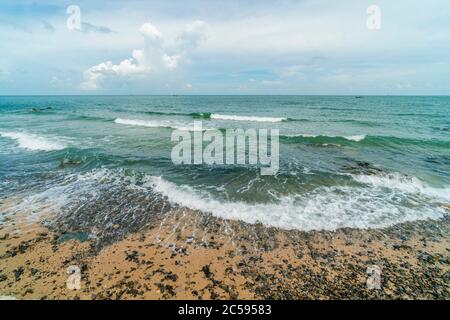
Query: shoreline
(186, 254)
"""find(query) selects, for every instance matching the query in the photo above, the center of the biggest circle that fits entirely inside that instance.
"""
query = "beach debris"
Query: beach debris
(132, 255)
(190, 239)
(18, 273)
(206, 270)
(34, 271)
(166, 290)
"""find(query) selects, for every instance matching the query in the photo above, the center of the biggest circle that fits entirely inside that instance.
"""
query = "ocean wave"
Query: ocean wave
(195, 115)
(89, 118)
(325, 208)
(34, 142)
(217, 116)
(106, 194)
(356, 138)
(367, 140)
(359, 122)
(404, 183)
(158, 124)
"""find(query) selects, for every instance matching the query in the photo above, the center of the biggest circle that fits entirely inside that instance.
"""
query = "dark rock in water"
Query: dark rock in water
(68, 162)
(362, 167)
(41, 109)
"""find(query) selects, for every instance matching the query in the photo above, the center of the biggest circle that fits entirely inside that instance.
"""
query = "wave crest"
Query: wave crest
(34, 142)
(325, 208)
(157, 124)
(356, 138)
(404, 183)
(217, 116)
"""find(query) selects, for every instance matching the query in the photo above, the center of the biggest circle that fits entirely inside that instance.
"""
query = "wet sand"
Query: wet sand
(186, 254)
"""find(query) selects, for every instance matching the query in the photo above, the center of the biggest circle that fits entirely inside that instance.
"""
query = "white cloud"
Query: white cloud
(148, 30)
(152, 59)
(193, 35)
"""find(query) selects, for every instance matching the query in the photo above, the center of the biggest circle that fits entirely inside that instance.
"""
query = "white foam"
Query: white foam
(356, 138)
(381, 204)
(404, 183)
(326, 208)
(157, 124)
(304, 135)
(53, 198)
(217, 116)
(34, 142)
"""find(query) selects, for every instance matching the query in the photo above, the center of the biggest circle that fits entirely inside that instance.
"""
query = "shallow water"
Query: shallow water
(344, 162)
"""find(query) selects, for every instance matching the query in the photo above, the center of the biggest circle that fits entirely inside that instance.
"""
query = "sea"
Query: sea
(344, 161)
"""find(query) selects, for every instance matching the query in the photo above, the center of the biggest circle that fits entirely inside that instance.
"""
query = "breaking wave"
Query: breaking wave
(380, 202)
(34, 142)
(157, 124)
(217, 116)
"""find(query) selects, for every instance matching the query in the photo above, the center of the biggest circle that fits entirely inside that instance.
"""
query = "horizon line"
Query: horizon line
(187, 95)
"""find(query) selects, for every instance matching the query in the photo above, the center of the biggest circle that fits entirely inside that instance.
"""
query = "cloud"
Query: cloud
(89, 27)
(193, 35)
(150, 32)
(264, 41)
(152, 59)
(48, 26)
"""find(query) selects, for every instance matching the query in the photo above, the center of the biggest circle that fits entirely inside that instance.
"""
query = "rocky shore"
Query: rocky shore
(185, 254)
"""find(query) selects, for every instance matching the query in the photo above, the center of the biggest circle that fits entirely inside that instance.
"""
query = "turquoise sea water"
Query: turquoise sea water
(344, 161)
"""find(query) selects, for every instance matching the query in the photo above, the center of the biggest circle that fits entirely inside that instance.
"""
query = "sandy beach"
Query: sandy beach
(189, 255)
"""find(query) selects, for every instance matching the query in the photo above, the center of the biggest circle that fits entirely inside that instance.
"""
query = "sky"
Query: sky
(309, 47)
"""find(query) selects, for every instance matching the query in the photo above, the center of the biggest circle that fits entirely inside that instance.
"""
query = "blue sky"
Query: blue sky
(225, 47)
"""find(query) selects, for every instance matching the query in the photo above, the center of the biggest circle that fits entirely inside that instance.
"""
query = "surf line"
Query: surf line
(242, 146)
